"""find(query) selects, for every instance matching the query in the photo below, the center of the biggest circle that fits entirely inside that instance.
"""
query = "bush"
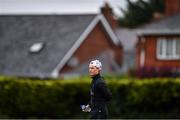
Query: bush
(25, 98)
(146, 99)
(150, 72)
(41, 98)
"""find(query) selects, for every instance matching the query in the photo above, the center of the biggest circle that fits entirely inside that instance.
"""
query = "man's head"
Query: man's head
(95, 67)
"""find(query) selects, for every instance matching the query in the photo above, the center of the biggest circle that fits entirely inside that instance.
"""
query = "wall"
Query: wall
(96, 42)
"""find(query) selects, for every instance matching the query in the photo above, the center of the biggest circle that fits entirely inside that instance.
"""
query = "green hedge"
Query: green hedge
(158, 98)
(24, 98)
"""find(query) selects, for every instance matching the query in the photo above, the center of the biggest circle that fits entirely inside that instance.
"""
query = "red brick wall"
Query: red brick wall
(96, 42)
(172, 7)
(150, 55)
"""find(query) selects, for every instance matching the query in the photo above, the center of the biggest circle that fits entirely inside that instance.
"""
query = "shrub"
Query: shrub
(150, 72)
(148, 98)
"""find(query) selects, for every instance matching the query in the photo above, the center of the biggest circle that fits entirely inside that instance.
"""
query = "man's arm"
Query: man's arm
(102, 87)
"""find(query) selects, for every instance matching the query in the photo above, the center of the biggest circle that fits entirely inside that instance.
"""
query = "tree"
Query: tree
(140, 12)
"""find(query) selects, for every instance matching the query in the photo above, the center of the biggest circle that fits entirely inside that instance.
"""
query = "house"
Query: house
(158, 47)
(56, 45)
(128, 39)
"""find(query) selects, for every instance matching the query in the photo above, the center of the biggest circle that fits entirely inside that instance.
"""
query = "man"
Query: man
(99, 92)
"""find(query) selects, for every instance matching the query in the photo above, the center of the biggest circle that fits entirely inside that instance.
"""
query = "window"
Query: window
(168, 48)
(178, 47)
(37, 47)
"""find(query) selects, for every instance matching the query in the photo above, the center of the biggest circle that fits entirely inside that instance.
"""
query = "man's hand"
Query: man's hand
(86, 108)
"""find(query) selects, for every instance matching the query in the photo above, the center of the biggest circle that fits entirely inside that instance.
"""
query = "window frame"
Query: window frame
(164, 56)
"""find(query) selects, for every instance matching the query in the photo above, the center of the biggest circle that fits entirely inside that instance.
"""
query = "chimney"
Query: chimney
(172, 7)
(106, 10)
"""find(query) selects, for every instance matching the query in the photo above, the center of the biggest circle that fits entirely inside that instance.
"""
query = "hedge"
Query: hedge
(147, 98)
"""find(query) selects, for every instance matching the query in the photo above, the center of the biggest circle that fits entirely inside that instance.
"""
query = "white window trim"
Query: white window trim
(142, 57)
(164, 47)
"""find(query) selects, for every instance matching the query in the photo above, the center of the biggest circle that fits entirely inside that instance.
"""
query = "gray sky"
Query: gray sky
(57, 6)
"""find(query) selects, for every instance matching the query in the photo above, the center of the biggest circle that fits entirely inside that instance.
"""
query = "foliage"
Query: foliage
(148, 98)
(140, 12)
(151, 72)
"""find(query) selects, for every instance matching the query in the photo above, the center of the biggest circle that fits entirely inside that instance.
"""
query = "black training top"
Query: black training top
(99, 92)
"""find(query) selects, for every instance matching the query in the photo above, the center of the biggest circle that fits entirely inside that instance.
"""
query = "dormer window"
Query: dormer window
(36, 47)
